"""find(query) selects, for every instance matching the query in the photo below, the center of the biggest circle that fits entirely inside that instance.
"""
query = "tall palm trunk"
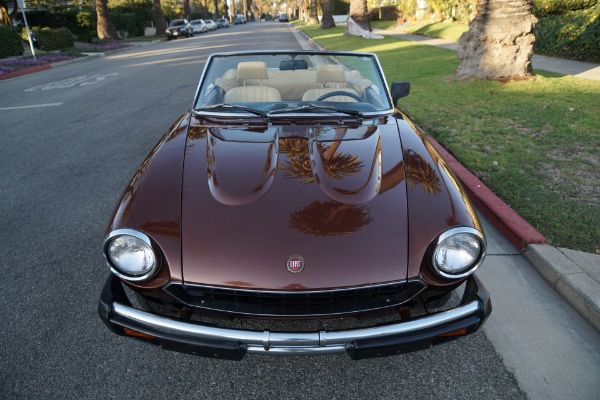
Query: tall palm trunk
(105, 28)
(187, 10)
(327, 19)
(216, 9)
(314, 16)
(499, 42)
(359, 12)
(159, 18)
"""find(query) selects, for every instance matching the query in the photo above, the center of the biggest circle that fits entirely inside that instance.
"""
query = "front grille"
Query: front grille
(296, 303)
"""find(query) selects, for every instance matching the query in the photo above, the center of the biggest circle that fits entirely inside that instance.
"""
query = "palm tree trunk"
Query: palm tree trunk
(187, 11)
(105, 28)
(216, 8)
(360, 14)
(499, 42)
(327, 19)
(159, 19)
(314, 16)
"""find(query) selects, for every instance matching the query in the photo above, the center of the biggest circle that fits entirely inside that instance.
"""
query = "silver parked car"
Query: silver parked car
(199, 26)
(210, 24)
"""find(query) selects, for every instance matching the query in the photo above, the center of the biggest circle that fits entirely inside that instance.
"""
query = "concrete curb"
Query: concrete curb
(48, 66)
(572, 282)
(88, 56)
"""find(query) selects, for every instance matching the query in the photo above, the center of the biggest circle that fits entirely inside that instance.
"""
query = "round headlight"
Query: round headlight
(130, 255)
(458, 252)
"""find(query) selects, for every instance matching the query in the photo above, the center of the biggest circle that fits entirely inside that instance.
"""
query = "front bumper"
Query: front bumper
(377, 341)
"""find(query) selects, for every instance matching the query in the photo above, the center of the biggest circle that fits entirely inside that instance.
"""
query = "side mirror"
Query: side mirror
(400, 89)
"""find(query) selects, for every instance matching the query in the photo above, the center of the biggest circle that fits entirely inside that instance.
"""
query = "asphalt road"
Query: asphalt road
(64, 164)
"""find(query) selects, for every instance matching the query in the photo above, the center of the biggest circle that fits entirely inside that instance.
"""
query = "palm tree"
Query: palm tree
(159, 18)
(499, 42)
(359, 12)
(327, 19)
(105, 28)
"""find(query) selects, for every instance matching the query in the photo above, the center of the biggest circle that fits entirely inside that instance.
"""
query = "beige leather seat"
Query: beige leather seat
(331, 75)
(251, 70)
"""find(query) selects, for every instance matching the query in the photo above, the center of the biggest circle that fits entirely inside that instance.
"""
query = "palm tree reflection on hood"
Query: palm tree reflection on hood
(335, 164)
(418, 170)
(329, 218)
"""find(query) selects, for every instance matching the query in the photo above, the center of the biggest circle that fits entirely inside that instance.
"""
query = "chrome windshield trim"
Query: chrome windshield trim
(289, 343)
(291, 115)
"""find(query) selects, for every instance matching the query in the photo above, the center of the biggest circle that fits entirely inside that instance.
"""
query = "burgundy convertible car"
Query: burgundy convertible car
(294, 210)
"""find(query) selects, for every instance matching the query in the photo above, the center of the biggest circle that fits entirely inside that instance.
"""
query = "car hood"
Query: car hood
(252, 198)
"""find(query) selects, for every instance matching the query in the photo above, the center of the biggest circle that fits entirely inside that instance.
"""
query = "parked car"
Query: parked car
(239, 20)
(199, 26)
(179, 27)
(210, 24)
(222, 23)
(294, 210)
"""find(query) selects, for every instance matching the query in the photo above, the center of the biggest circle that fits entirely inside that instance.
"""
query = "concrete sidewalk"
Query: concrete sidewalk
(567, 67)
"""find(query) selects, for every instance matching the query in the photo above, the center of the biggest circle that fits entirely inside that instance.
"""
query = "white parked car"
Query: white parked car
(210, 24)
(199, 26)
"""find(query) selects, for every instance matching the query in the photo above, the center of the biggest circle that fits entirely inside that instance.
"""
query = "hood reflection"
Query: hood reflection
(240, 172)
(329, 218)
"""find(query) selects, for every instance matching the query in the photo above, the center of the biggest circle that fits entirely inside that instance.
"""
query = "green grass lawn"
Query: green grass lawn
(535, 143)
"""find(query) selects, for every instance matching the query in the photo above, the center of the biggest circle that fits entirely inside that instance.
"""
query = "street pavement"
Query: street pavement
(56, 199)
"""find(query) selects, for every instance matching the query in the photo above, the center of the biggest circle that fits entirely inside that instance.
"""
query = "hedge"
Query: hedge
(573, 35)
(10, 42)
(53, 39)
(543, 8)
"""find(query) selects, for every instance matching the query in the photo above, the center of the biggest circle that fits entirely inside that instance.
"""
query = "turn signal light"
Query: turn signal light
(459, 332)
(131, 332)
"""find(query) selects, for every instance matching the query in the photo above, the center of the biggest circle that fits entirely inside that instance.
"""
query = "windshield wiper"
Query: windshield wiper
(316, 108)
(226, 106)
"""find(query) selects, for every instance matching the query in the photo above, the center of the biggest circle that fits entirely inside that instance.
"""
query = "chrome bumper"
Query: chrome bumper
(377, 341)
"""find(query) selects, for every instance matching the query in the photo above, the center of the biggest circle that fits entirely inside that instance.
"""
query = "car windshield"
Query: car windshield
(293, 82)
(176, 22)
(196, 22)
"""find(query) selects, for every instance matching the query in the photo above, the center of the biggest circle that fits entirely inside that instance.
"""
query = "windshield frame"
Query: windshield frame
(377, 64)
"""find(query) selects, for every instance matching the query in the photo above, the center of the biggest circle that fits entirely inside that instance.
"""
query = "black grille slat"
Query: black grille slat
(296, 303)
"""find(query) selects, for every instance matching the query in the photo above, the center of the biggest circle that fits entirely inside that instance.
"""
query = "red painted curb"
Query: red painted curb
(518, 231)
(25, 71)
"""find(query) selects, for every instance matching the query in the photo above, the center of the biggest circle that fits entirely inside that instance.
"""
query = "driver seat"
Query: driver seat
(252, 71)
(331, 75)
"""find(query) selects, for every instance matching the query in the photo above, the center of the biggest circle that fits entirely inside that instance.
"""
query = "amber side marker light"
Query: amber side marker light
(455, 333)
(131, 332)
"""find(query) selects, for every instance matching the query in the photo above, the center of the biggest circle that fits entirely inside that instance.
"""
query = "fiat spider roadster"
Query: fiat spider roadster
(294, 210)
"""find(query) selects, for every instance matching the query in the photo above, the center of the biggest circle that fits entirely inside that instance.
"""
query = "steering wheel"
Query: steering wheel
(339, 93)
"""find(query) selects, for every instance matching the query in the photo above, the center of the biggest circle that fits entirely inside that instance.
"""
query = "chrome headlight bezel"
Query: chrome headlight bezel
(436, 247)
(113, 235)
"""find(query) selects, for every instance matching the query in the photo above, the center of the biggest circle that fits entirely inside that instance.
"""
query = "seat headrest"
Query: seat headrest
(252, 70)
(330, 73)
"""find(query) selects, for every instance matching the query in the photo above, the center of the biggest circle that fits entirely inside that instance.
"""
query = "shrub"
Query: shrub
(574, 35)
(87, 21)
(53, 39)
(388, 13)
(128, 22)
(543, 8)
(10, 42)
